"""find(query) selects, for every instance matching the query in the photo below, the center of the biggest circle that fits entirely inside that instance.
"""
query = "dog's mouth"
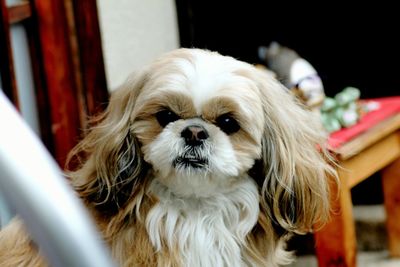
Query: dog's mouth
(190, 161)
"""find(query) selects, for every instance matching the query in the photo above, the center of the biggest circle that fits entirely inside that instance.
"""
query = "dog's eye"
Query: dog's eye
(227, 124)
(164, 117)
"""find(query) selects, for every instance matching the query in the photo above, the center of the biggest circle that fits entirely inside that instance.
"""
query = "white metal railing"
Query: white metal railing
(32, 183)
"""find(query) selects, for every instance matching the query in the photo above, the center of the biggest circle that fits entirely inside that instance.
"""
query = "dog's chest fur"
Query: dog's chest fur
(204, 231)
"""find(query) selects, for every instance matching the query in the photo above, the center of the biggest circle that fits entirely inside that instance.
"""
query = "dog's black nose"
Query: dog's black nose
(194, 135)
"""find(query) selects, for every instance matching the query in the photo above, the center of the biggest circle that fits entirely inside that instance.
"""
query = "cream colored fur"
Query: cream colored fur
(253, 188)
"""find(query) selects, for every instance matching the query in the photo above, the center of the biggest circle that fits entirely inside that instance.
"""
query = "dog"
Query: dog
(199, 160)
(295, 73)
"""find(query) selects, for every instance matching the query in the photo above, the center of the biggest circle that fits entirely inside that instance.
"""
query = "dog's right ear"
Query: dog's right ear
(111, 168)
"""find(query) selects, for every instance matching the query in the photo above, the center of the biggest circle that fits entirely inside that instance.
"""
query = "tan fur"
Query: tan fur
(218, 106)
(17, 249)
(112, 177)
(179, 103)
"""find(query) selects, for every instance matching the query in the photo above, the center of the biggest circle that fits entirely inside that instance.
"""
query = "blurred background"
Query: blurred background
(348, 43)
(61, 59)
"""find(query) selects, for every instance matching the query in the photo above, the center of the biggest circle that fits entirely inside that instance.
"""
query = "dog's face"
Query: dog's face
(200, 121)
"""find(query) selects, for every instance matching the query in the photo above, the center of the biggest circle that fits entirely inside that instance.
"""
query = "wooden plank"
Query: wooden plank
(371, 160)
(391, 193)
(368, 138)
(41, 92)
(59, 76)
(91, 55)
(19, 12)
(336, 241)
(8, 81)
(75, 55)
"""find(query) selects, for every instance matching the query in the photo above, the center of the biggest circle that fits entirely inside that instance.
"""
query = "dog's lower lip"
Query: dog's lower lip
(190, 162)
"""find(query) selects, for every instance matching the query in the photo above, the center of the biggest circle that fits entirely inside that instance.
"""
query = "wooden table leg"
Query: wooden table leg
(336, 241)
(391, 193)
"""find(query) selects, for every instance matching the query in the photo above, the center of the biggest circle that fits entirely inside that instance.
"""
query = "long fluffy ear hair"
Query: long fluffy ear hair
(110, 167)
(295, 166)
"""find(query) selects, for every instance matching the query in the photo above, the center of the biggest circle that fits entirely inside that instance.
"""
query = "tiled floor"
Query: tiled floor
(364, 259)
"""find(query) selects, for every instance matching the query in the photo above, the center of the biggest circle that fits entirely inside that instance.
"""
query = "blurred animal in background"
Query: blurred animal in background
(296, 73)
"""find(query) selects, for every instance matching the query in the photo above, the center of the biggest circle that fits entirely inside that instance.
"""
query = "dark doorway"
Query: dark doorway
(349, 45)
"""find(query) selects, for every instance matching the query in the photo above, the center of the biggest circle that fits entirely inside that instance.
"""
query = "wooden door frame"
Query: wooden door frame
(67, 62)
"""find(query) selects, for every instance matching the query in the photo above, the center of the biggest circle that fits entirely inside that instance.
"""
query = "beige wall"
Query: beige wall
(134, 32)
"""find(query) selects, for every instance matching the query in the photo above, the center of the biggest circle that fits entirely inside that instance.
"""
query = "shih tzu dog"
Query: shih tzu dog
(199, 160)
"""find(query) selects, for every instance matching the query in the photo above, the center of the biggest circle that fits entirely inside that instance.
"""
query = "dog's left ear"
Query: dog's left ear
(295, 166)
